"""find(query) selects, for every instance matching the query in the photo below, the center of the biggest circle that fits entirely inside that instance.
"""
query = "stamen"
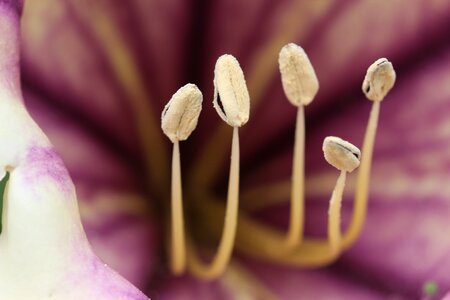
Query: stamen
(379, 79)
(263, 241)
(345, 157)
(300, 85)
(178, 120)
(230, 86)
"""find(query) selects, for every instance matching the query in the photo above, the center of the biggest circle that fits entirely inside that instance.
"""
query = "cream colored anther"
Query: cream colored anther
(341, 154)
(180, 116)
(379, 80)
(231, 98)
(299, 80)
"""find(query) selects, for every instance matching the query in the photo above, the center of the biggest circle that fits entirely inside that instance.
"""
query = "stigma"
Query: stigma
(232, 103)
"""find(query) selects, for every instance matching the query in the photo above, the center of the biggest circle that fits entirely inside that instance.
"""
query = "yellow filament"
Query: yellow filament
(264, 242)
(334, 214)
(363, 179)
(220, 261)
(295, 232)
(178, 247)
(126, 71)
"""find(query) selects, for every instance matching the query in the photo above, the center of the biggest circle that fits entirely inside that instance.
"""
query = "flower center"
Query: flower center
(231, 100)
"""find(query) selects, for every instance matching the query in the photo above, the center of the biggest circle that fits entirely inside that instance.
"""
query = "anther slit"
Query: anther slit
(219, 102)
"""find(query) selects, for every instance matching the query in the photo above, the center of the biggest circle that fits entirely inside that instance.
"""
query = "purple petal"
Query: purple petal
(67, 58)
(186, 288)
(289, 283)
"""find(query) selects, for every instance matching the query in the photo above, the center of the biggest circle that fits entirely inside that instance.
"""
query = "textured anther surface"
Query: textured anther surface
(341, 154)
(379, 80)
(180, 116)
(231, 98)
(298, 77)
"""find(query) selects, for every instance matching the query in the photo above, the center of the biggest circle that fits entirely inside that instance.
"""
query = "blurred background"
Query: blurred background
(97, 74)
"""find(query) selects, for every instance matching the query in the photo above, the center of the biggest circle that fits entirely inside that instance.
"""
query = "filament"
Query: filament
(295, 231)
(178, 247)
(334, 214)
(363, 179)
(222, 257)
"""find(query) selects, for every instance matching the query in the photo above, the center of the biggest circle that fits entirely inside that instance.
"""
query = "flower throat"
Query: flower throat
(232, 103)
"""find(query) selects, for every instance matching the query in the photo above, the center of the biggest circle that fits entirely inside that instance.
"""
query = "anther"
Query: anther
(231, 98)
(299, 80)
(341, 154)
(180, 116)
(379, 80)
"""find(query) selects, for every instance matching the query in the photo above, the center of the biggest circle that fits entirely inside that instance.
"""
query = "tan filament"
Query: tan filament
(221, 259)
(295, 232)
(334, 214)
(363, 180)
(178, 246)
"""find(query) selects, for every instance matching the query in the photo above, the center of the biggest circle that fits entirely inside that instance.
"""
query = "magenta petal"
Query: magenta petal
(13, 5)
(289, 283)
(99, 74)
(187, 288)
(341, 47)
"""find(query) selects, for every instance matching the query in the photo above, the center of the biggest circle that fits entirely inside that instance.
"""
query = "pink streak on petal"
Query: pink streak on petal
(43, 163)
(9, 47)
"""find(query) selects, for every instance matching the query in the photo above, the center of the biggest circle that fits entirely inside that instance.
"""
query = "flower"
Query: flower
(96, 76)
